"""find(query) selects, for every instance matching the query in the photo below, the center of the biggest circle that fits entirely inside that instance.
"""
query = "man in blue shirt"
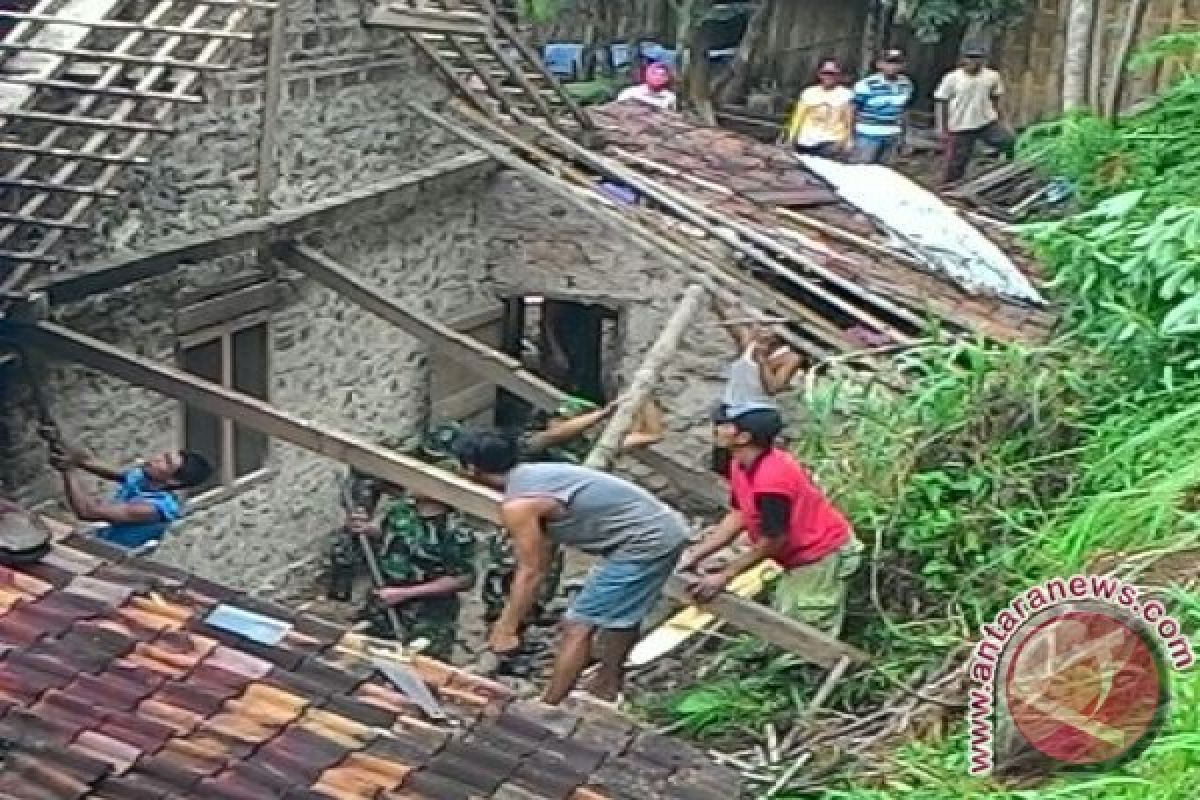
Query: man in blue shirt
(145, 503)
(880, 101)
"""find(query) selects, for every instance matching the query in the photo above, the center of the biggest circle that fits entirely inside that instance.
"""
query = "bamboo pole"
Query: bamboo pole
(647, 375)
(590, 204)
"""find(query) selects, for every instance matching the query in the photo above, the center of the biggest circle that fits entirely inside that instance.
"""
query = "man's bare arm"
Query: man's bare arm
(569, 429)
(533, 550)
(740, 333)
(90, 509)
(718, 537)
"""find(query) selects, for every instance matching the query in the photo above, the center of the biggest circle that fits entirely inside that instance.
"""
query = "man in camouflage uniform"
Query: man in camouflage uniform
(426, 554)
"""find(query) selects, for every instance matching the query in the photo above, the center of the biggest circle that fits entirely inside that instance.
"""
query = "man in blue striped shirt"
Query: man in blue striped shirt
(880, 100)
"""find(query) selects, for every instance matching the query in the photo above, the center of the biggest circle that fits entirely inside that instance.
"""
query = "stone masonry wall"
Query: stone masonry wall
(343, 125)
(541, 243)
(331, 363)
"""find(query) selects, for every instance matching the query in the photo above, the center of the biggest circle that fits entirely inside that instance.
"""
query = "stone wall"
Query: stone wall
(331, 363)
(343, 124)
(538, 242)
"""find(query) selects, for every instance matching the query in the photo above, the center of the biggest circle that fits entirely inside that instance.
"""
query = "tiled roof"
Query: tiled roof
(758, 184)
(757, 172)
(114, 687)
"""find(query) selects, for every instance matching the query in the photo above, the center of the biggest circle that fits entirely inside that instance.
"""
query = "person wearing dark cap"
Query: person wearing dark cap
(637, 537)
(881, 100)
(966, 107)
(146, 501)
(787, 519)
(823, 122)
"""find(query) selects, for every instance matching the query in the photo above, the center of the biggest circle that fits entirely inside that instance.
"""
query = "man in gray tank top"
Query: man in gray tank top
(551, 504)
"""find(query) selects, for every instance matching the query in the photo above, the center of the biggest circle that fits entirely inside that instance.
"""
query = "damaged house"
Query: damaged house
(281, 234)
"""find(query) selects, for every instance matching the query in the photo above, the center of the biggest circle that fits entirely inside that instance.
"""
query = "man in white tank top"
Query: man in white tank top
(764, 367)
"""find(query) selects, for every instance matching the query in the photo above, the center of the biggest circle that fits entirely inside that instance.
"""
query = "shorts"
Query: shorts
(619, 595)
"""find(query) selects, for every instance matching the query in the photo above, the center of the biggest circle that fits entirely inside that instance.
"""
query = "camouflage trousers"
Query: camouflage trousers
(498, 577)
(435, 619)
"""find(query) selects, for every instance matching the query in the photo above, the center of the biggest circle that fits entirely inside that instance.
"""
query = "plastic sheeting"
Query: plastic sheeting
(923, 226)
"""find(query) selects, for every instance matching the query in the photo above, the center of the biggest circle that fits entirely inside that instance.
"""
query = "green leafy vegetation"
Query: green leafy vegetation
(1005, 465)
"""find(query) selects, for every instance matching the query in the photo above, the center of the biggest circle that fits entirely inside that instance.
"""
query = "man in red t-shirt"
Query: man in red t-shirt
(786, 518)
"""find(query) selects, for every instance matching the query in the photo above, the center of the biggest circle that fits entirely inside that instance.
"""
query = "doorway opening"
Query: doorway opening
(572, 344)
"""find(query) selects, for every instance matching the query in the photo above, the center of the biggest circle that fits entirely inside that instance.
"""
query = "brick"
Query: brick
(437, 787)
(556, 719)
(548, 782)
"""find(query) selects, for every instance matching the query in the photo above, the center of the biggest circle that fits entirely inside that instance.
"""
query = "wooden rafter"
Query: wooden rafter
(446, 487)
(244, 236)
(260, 416)
(496, 367)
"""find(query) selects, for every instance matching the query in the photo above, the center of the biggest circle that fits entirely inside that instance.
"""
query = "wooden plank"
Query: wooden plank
(123, 25)
(446, 487)
(107, 91)
(516, 74)
(87, 122)
(428, 22)
(227, 306)
(245, 236)
(71, 155)
(647, 375)
(257, 415)
(530, 55)
(447, 69)
(815, 646)
(107, 56)
(267, 174)
(498, 368)
(690, 621)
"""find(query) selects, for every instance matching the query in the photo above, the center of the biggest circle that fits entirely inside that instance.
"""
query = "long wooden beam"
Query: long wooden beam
(257, 415)
(644, 379)
(447, 487)
(92, 279)
(499, 368)
(811, 644)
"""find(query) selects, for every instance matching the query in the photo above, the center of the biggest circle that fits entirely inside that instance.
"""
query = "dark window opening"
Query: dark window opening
(570, 344)
(235, 356)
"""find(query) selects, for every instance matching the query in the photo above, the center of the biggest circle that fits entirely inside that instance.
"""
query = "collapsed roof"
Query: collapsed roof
(839, 255)
(117, 682)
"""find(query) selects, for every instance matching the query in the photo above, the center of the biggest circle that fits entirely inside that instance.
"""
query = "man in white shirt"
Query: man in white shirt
(654, 90)
(967, 111)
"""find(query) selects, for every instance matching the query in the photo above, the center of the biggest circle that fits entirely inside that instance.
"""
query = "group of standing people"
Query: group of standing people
(867, 124)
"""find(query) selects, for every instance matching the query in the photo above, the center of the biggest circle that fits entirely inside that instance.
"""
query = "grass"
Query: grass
(1006, 465)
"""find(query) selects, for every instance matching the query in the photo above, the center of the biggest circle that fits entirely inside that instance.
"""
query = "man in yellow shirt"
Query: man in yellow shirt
(823, 122)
